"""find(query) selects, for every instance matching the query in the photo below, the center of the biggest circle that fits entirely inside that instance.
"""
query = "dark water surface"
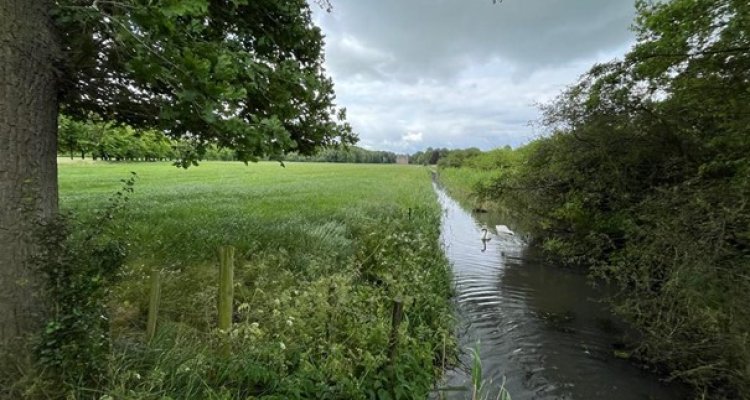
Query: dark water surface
(539, 327)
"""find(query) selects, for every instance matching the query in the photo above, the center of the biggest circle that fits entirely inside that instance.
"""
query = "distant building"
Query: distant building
(402, 159)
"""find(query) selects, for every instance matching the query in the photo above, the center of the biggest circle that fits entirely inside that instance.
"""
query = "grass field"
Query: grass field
(181, 216)
(323, 250)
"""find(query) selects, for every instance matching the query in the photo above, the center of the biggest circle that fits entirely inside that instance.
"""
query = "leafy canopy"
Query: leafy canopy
(246, 75)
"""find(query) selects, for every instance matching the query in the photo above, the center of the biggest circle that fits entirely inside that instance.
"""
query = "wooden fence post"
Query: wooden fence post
(331, 303)
(226, 290)
(396, 317)
(153, 304)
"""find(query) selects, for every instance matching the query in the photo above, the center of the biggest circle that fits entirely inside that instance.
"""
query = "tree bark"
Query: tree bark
(28, 155)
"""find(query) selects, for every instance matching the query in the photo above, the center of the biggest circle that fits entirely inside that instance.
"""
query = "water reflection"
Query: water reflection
(539, 327)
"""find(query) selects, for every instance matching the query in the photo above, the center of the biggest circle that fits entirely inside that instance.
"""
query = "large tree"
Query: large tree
(242, 74)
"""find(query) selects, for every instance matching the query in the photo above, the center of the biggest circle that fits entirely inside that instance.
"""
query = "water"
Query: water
(539, 327)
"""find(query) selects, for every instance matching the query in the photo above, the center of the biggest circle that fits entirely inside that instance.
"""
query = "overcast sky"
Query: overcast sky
(462, 73)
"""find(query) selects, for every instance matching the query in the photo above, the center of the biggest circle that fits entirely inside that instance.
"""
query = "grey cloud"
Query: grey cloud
(434, 39)
(463, 114)
(462, 73)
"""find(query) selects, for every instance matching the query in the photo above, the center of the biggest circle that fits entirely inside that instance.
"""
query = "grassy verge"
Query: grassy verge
(323, 250)
(467, 185)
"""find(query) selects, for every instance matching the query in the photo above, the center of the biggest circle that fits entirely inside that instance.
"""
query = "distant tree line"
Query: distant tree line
(429, 156)
(107, 141)
(472, 157)
(352, 154)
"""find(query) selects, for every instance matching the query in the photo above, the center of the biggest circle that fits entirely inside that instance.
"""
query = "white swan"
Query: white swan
(485, 235)
(502, 229)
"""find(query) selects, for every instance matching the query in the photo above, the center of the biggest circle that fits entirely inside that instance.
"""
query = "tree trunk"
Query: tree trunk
(28, 155)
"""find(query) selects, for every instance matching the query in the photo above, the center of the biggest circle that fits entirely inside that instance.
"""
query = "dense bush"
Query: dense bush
(429, 156)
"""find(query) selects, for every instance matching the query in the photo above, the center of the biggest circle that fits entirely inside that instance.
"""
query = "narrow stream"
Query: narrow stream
(537, 327)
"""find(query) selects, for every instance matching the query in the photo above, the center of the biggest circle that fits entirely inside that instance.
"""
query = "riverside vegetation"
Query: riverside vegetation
(645, 181)
(323, 250)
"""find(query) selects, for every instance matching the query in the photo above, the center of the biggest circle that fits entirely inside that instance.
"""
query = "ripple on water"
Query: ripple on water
(534, 323)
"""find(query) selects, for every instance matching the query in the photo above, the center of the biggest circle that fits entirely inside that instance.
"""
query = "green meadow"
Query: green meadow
(323, 251)
(181, 215)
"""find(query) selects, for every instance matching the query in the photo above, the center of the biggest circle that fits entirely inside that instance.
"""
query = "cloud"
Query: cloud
(412, 137)
(422, 39)
(460, 73)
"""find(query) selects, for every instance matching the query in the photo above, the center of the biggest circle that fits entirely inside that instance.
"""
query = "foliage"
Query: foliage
(429, 156)
(80, 261)
(107, 141)
(313, 292)
(470, 176)
(242, 75)
(468, 185)
(455, 158)
(645, 182)
(351, 154)
(111, 142)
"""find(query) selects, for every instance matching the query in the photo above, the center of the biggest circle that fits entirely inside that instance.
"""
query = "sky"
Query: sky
(414, 74)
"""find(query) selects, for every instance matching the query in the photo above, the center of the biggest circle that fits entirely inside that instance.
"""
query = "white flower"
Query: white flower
(282, 345)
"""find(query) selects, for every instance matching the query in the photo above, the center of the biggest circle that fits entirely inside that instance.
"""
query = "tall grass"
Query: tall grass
(323, 250)
(467, 184)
